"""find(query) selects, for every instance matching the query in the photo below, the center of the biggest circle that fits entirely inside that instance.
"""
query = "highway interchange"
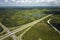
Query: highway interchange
(26, 26)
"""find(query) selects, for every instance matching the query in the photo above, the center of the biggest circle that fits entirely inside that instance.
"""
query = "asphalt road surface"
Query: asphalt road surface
(8, 31)
(21, 28)
(20, 37)
(53, 26)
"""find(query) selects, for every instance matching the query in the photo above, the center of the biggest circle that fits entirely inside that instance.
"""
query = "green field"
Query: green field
(41, 31)
(56, 19)
(8, 38)
(17, 17)
(14, 18)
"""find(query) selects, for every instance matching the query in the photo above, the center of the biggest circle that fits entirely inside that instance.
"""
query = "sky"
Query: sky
(29, 2)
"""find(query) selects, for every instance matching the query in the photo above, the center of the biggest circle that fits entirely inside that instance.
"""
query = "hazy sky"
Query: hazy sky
(29, 2)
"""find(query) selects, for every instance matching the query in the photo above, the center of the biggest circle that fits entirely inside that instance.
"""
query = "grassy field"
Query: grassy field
(16, 17)
(41, 31)
(12, 18)
(3, 33)
(8, 38)
(56, 19)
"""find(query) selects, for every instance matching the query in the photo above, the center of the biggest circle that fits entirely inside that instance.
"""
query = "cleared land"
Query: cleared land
(41, 31)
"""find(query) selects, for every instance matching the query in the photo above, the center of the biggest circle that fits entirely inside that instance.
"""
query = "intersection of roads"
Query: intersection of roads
(26, 26)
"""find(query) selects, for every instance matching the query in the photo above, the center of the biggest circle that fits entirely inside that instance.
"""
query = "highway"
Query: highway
(20, 37)
(8, 31)
(29, 26)
(53, 26)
